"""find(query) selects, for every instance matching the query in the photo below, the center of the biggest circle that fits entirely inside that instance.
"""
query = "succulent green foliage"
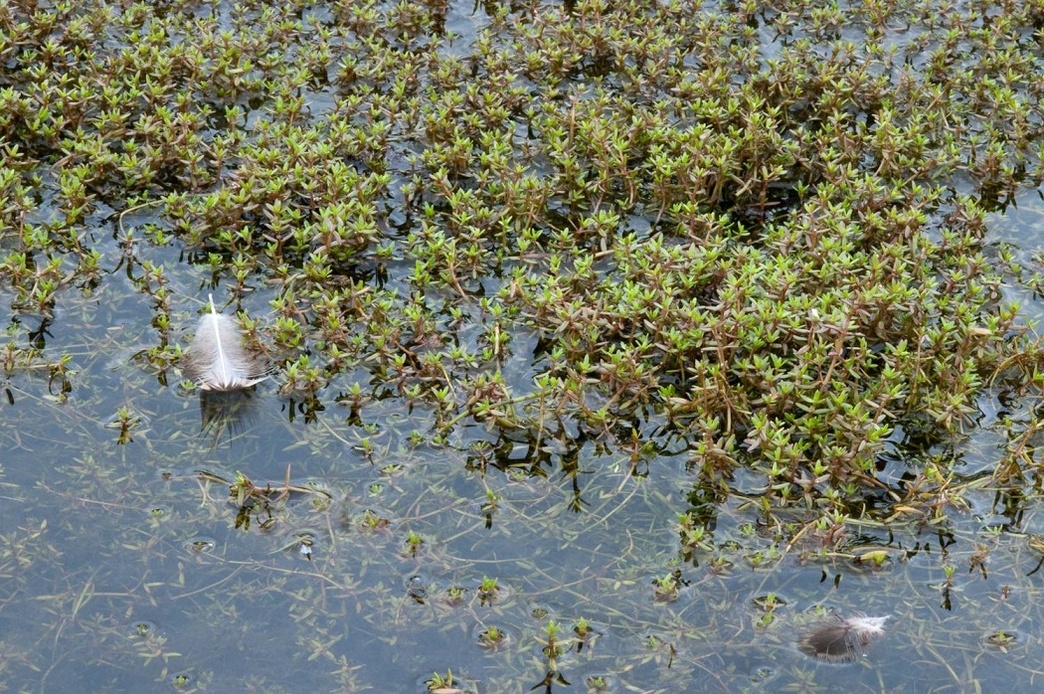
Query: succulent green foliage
(761, 238)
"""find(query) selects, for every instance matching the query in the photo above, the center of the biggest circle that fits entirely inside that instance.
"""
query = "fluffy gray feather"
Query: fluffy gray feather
(217, 360)
(841, 640)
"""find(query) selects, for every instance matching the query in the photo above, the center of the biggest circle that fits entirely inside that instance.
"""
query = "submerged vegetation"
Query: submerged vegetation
(750, 236)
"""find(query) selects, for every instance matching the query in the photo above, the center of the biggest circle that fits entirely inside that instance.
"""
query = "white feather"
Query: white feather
(216, 359)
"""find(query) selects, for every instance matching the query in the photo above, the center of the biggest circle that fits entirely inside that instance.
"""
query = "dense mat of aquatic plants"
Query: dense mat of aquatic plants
(763, 220)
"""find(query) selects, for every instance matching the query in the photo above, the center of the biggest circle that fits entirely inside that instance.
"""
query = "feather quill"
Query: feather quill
(841, 640)
(217, 360)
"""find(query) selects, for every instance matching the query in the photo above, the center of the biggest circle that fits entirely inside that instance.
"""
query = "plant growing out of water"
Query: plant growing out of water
(125, 421)
(488, 590)
(1001, 640)
(492, 638)
(666, 588)
(875, 558)
(978, 560)
(768, 605)
(455, 595)
(947, 586)
(489, 506)
(552, 648)
(446, 684)
(584, 634)
(413, 544)
(259, 503)
(373, 521)
(692, 534)
(439, 681)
